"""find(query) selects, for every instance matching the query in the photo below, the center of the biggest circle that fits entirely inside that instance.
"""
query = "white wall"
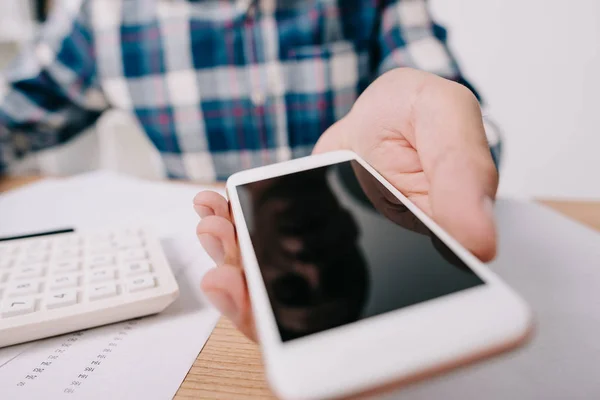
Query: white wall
(537, 63)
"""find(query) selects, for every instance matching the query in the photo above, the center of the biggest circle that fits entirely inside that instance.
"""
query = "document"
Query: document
(143, 358)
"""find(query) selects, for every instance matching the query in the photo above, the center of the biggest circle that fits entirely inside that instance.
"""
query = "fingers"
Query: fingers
(450, 140)
(208, 203)
(217, 236)
(225, 287)
(215, 231)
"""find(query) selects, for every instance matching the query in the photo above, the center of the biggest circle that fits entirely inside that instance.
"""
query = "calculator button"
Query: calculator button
(128, 242)
(100, 260)
(23, 289)
(66, 254)
(101, 275)
(97, 237)
(36, 245)
(62, 299)
(98, 240)
(132, 255)
(34, 271)
(126, 233)
(99, 250)
(33, 258)
(6, 263)
(11, 308)
(102, 291)
(63, 282)
(136, 267)
(140, 283)
(36, 265)
(7, 249)
(61, 267)
(67, 241)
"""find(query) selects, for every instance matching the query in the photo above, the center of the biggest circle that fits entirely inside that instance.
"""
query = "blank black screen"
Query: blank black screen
(335, 246)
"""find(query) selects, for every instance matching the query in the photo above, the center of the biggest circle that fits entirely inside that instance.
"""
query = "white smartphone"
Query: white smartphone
(354, 287)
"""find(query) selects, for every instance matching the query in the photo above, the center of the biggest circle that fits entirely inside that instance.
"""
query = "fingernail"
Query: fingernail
(213, 247)
(223, 302)
(203, 211)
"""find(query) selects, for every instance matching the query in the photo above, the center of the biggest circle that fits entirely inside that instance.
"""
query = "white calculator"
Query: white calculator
(59, 282)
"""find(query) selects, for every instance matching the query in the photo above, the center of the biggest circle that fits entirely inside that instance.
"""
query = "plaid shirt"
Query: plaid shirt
(217, 85)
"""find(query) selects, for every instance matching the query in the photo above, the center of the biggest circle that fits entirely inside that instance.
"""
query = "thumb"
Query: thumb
(333, 138)
(461, 197)
(451, 143)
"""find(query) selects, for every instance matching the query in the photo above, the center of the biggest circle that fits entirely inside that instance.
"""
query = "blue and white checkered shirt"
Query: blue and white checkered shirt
(217, 85)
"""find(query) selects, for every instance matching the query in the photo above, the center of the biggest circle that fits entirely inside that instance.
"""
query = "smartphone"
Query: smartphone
(354, 287)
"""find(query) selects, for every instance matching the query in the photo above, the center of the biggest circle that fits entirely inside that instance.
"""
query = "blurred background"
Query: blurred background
(535, 62)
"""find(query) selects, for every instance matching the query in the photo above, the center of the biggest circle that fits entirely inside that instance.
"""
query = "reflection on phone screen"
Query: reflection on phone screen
(334, 246)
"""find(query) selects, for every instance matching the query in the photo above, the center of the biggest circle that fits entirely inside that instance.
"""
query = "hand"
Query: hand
(424, 134)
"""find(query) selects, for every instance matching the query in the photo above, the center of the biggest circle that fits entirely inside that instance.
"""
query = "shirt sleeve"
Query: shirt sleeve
(408, 37)
(50, 92)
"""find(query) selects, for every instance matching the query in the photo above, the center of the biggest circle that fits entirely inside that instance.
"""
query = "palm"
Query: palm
(396, 159)
(376, 131)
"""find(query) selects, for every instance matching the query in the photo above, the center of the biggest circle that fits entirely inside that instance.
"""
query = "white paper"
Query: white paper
(146, 358)
(554, 264)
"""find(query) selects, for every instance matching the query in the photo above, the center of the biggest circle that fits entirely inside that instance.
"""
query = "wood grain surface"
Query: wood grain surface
(15, 182)
(586, 212)
(229, 367)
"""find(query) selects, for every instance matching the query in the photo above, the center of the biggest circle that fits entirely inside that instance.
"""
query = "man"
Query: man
(221, 86)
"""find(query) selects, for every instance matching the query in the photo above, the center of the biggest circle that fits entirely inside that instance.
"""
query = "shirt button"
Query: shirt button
(251, 12)
(258, 98)
(243, 6)
(275, 84)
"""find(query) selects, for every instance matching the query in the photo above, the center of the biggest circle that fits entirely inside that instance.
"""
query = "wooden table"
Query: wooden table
(229, 367)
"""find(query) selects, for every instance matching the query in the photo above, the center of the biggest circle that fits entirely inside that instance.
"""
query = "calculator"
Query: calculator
(55, 283)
